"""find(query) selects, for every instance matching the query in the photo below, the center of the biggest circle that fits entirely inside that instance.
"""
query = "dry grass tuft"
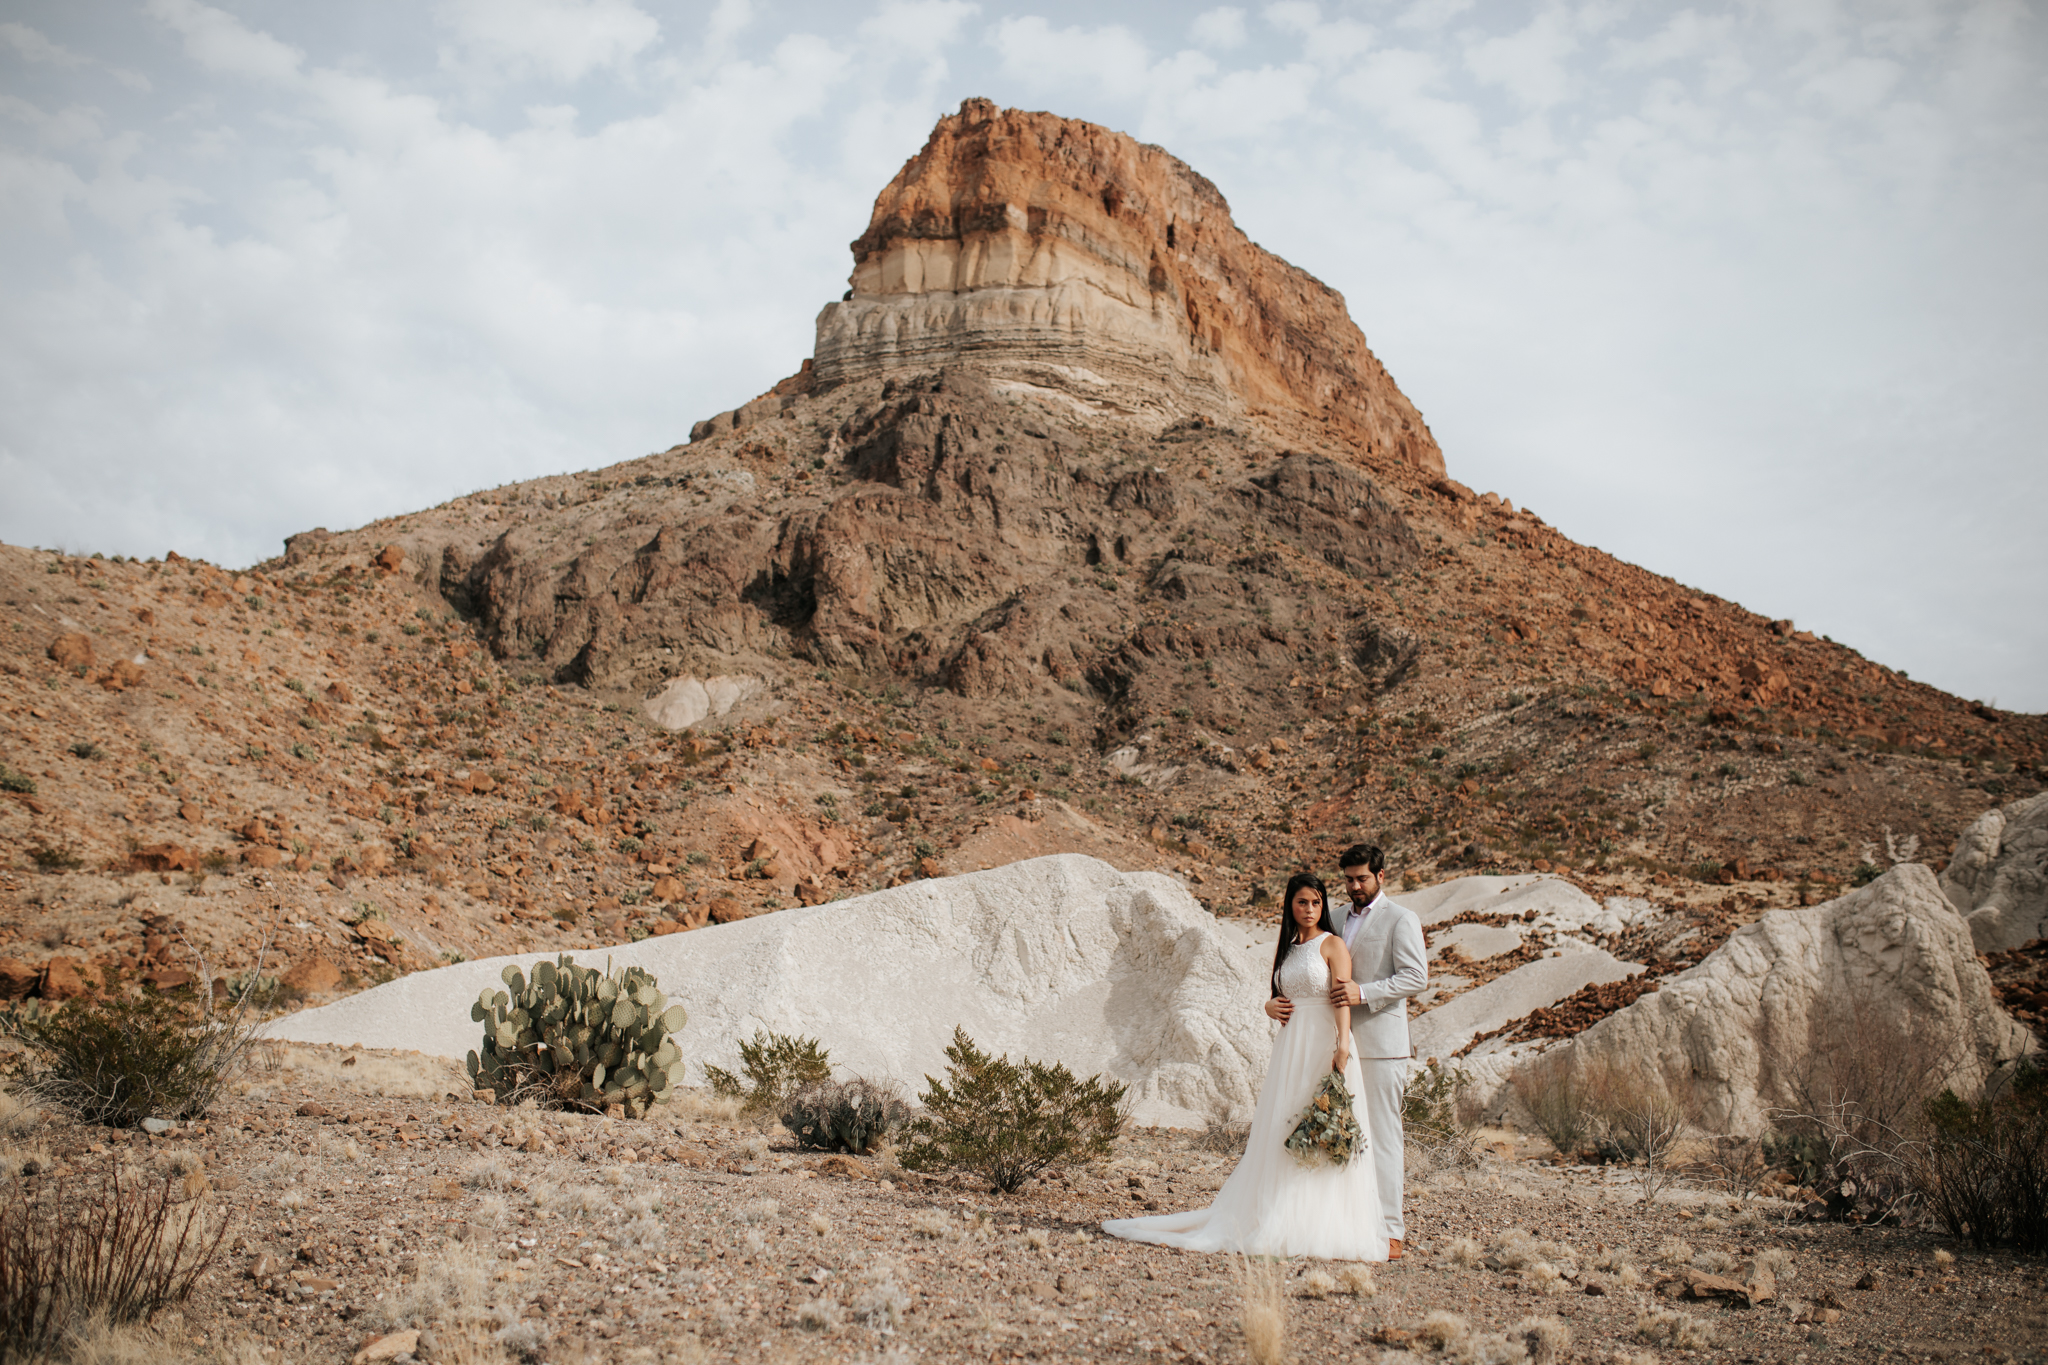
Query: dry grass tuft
(1714, 1262)
(1464, 1253)
(1263, 1315)
(1547, 1278)
(1672, 1251)
(1944, 1260)
(1441, 1330)
(1357, 1281)
(1318, 1284)
(1545, 1339)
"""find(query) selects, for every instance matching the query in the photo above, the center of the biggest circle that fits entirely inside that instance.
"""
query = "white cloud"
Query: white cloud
(1531, 64)
(31, 46)
(1219, 30)
(562, 40)
(220, 42)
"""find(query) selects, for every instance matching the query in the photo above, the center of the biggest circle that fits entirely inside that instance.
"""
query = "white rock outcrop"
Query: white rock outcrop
(686, 700)
(1998, 877)
(1890, 960)
(1059, 959)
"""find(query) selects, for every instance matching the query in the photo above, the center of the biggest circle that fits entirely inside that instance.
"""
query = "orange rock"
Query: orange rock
(145, 616)
(164, 858)
(663, 926)
(213, 597)
(389, 558)
(67, 978)
(668, 889)
(191, 814)
(312, 975)
(71, 651)
(340, 692)
(724, 910)
(17, 978)
(262, 856)
(929, 867)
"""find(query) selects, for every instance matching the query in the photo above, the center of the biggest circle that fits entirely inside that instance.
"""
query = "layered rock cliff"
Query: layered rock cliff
(1061, 255)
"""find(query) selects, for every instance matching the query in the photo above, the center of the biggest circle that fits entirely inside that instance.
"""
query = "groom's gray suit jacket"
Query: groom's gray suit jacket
(1390, 964)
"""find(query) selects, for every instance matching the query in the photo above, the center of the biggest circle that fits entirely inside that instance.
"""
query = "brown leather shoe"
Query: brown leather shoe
(1394, 1252)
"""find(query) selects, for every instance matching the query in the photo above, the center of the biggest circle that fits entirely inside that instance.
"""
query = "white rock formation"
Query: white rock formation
(687, 700)
(1059, 959)
(1508, 997)
(1998, 878)
(1893, 956)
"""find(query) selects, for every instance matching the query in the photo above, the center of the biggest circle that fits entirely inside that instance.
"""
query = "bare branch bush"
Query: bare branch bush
(1736, 1164)
(1550, 1091)
(1856, 1088)
(1985, 1165)
(97, 1243)
(1642, 1117)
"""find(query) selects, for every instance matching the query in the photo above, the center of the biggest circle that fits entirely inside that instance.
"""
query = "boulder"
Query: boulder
(1061, 959)
(17, 978)
(1998, 877)
(312, 976)
(1888, 965)
(66, 978)
(71, 651)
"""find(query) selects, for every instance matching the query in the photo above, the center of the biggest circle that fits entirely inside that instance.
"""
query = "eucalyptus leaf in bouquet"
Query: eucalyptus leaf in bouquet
(1327, 1133)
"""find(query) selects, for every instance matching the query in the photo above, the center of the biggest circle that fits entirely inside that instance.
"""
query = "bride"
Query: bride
(1272, 1205)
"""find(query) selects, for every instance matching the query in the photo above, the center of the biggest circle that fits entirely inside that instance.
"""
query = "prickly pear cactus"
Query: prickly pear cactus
(578, 1037)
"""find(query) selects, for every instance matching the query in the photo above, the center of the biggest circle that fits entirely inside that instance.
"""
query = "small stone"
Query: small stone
(1039, 1289)
(313, 1109)
(17, 978)
(388, 1347)
(1869, 1280)
(156, 1127)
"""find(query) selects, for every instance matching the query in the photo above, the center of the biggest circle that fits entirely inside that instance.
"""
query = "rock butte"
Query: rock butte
(1061, 256)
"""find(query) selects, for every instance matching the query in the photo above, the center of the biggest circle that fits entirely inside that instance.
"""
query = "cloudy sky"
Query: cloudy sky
(1752, 294)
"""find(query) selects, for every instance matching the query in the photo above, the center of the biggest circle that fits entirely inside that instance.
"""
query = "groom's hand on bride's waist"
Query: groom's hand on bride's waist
(1279, 1007)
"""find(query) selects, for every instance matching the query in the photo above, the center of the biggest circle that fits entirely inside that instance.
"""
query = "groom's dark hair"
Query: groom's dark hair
(1367, 856)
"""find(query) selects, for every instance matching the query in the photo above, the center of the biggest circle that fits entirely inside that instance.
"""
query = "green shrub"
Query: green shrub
(87, 750)
(1986, 1165)
(12, 781)
(777, 1067)
(851, 1116)
(1006, 1121)
(61, 859)
(1430, 1115)
(121, 1059)
(577, 1038)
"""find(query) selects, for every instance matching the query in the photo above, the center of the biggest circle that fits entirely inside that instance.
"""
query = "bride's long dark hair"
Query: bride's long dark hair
(1326, 924)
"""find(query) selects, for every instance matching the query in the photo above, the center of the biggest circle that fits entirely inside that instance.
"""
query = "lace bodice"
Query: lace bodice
(1303, 973)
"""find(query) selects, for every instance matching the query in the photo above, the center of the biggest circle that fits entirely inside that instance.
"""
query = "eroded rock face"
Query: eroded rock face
(1998, 878)
(954, 538)
(1059, 255)
(1882, 981)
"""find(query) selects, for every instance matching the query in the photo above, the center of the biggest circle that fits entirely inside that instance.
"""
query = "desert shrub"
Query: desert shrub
(60, 858)
(1737, 1164)
(1431, 1116)
(1007, 1121)
(1985, 1166)
(1550, 1092)
(120, 1059)
(96, 1244)
(851, 1116)
(578, 1038)
(777, 1066)
(1639, 1119)
(14, 781)
(1857, 1086)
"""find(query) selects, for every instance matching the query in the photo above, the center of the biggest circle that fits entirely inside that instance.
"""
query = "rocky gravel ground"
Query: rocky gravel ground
(379, 1212)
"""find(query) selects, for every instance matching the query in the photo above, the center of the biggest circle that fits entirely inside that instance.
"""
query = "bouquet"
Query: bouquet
(1327, 1133)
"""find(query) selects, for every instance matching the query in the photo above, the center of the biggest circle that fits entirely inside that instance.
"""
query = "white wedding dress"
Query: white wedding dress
(1272, 1205)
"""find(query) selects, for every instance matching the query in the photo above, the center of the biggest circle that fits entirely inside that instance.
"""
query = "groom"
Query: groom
(1388, 966)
